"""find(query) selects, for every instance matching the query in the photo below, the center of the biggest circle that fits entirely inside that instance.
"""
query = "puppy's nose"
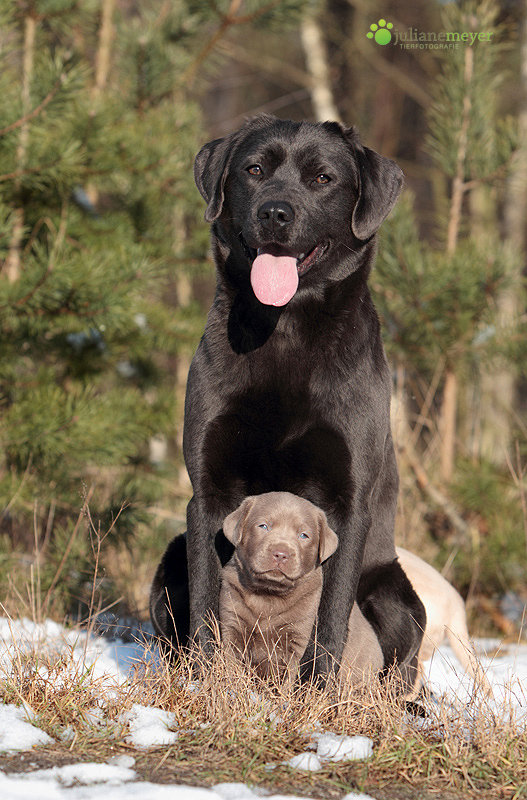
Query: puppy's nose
(280, 555)
(275, 214)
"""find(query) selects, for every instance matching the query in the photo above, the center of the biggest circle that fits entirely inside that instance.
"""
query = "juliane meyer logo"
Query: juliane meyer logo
(383, 33)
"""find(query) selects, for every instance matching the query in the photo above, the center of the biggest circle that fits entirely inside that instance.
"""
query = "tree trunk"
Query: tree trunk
(450, 391)
(104, 51)
(12, 264)
(448, 424)
(317, 65)
(102, 69)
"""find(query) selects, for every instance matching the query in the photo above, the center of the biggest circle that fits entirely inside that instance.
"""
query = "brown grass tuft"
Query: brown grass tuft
(235, 727)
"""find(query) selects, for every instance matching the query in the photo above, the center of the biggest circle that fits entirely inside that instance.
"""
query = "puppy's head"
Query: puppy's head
(279, 538)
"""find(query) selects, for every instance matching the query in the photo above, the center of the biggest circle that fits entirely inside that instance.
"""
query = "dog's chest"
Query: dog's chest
(274, 441)
(286, 417)
(270, 632)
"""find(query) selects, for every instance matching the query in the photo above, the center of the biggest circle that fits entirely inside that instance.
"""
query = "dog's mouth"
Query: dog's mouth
(275, 576)
(276, 270)
(288, 573)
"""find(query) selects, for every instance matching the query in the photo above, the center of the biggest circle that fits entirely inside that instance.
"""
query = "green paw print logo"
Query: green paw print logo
(380, 32)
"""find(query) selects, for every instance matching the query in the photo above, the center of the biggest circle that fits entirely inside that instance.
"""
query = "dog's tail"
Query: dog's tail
(457, 634)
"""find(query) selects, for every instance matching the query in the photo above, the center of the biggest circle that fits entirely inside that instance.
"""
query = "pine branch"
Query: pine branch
(19, 173)
(228, 20)
(450, 392)
(37, 110)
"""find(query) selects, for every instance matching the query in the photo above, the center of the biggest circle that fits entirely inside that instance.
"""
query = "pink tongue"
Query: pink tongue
(274, 279)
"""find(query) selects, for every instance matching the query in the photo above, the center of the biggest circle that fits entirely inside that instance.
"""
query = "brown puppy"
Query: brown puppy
(271, 588)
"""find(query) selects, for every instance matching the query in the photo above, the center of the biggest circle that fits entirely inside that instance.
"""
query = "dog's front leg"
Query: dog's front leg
(204, 574)
(341, 578)
(366, 538)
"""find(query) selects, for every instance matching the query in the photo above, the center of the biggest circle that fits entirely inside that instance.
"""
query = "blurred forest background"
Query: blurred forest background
(105, 276)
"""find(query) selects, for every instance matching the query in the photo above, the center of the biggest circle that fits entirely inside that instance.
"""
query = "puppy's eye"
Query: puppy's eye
(322, 179)
(264, 526)
(255, 169)
(303, 535)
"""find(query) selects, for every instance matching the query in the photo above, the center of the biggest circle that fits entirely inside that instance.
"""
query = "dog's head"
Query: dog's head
(294, 199)
(279, 538)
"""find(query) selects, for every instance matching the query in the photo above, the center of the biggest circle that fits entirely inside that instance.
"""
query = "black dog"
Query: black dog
(289, 389)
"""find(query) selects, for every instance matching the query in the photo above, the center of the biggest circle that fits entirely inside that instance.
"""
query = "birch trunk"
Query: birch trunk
(317, 66)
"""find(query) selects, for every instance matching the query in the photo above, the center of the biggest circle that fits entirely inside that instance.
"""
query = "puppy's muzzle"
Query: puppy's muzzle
(280, 555)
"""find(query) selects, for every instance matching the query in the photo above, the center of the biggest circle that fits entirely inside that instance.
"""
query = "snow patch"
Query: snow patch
(307, 761)
(334, 747)
(85, 774)
(149, 726)
(16, 733)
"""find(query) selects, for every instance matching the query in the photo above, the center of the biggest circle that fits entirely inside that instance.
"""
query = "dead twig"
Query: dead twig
(461, 527)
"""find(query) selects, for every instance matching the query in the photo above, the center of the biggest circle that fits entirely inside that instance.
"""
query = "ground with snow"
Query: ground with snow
(506, 667)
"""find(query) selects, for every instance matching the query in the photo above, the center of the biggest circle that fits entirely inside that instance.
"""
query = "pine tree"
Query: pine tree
(95, 147)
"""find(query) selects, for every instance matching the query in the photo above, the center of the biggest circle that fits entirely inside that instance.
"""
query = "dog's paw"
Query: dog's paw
(415, 709)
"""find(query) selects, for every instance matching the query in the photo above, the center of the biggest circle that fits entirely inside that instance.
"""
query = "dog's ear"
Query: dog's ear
(211, 167)
(210, 173)
(380, 184)
(327, 538)
(233, 524)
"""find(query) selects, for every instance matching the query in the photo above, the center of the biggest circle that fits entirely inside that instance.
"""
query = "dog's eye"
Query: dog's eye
(321, 179)
(303, 535)
(264, 526)
(255, 169)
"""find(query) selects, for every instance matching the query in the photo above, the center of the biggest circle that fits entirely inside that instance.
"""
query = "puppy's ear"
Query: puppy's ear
(380, 183)
(233, 524)
(210, 173)
(327, 540)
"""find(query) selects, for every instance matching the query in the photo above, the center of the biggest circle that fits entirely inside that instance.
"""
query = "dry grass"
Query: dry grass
(234, 727)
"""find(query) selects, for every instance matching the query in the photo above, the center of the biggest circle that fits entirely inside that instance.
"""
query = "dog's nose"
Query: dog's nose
(280, 555)
(275, 214)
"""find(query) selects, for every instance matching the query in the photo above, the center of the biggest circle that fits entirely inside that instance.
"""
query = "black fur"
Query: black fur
(169, 596)
(297, 398)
